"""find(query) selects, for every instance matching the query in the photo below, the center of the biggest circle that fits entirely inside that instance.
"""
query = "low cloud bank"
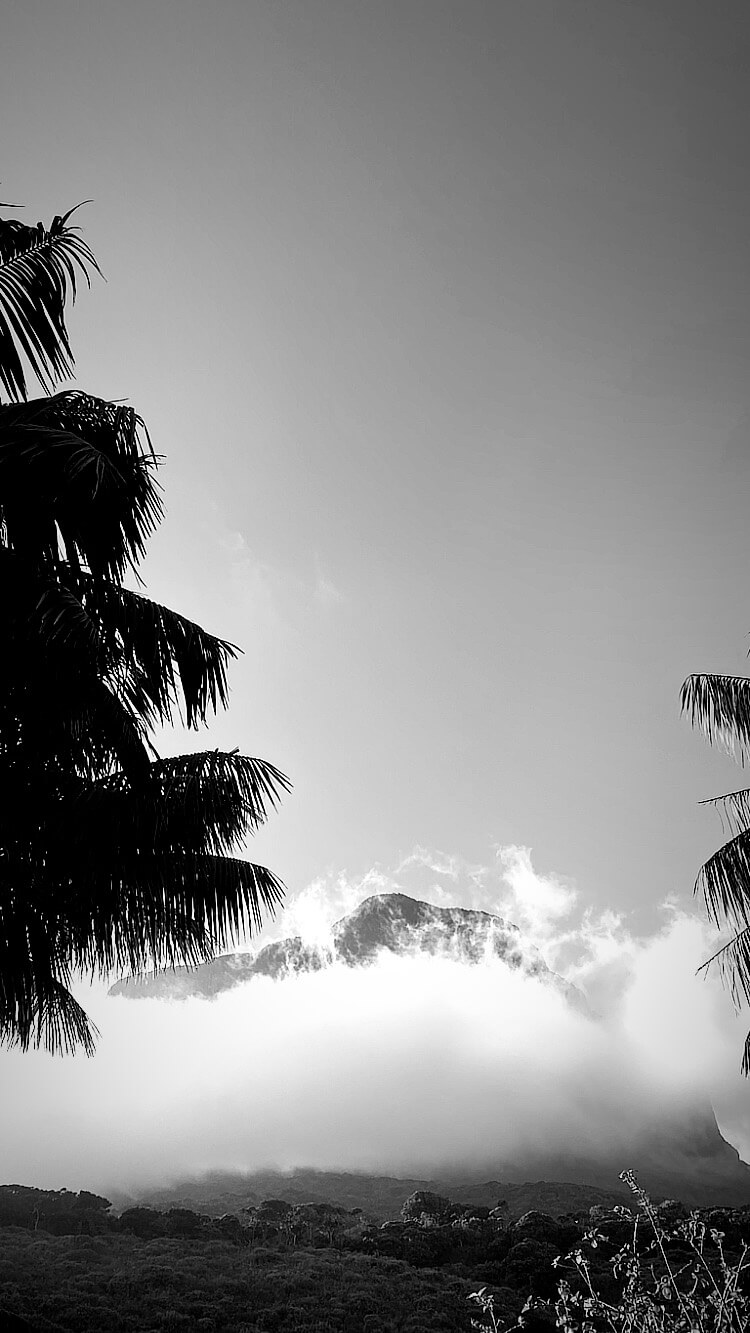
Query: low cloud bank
(405, 1066)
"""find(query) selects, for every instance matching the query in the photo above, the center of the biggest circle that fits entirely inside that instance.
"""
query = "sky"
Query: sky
(437, 310)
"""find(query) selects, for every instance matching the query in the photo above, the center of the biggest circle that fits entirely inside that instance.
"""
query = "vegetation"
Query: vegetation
(111, 858)
(442, 1266)
(121, 1284)
(720, 706)
(680, 1281)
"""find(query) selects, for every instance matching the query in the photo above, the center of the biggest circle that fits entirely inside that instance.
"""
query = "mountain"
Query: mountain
(681, 1156)
(687, 1160)
(677, 1153)
(390, 922)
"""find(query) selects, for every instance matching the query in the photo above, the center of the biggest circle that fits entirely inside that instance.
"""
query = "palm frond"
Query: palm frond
(733, 808)
(720, 707)
(77, 472)
(203, 803)
(724, 882)
(156, 661)
(254, 785)
(39, 267)
(59, 711)
(60, 1024)
(57, 1023)
(732, 960)
(87, 632)
(36, 1005)
(120, 733)
(167, 910)
(733, 963)
(157, 655)
(60, 617)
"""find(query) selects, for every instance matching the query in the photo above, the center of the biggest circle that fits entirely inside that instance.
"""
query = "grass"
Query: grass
(672, 1280)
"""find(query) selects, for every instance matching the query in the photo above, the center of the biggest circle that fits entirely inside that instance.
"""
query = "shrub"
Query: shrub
(675, 1280)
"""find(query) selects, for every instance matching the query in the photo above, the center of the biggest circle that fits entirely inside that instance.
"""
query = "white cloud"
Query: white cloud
(326, 593)
(401, 1066)
(256, 589)
(270, 596)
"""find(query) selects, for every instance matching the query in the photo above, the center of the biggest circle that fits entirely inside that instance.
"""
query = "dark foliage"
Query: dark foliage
(110, 858)
(317, 1266)
(121, 1284)
(61, 1212)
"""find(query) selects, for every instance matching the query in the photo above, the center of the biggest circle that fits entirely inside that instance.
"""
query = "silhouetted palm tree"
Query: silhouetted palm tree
(720, 706)
(110, 857)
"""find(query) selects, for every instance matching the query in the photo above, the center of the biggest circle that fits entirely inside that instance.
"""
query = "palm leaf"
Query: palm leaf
(733, 963)
(153, 659)
(724, 882)
(60, 617)
(733, 808)
(158, 655)
(39, 267)
(720, 707)
(203, 803)
(166, 910)
(58, 711)
(77, 472)
(57, 1023)
(36, 1005)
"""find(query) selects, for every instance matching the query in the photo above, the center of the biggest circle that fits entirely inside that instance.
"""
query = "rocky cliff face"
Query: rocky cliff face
(390, 922)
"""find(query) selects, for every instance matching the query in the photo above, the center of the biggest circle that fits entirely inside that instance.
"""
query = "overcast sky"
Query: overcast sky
(438, 310)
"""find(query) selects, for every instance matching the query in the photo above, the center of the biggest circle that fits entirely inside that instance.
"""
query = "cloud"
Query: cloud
(255, 587)
(325, 593)
(271, 597)
(399, 1067)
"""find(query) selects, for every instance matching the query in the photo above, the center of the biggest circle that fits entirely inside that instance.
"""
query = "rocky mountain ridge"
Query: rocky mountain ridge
(390, 923)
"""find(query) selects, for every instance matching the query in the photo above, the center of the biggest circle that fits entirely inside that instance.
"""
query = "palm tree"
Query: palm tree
(720, 707)
(110, 857)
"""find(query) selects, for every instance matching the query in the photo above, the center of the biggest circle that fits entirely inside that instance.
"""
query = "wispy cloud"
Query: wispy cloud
(256, 587)
(273, 596)
(326, 593)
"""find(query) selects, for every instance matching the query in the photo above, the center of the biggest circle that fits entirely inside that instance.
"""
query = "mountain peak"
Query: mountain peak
(393, 923)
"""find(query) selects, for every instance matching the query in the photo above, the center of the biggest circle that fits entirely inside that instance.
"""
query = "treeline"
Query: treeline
(61, 1212)
(328, 1267)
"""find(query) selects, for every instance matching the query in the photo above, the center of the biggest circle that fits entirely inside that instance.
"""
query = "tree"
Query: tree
(110, 856)
(720, 707)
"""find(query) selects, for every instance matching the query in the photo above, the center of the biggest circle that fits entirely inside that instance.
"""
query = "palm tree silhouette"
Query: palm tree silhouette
(111, 858)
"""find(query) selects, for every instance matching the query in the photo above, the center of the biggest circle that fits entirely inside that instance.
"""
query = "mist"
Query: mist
(408, 1066)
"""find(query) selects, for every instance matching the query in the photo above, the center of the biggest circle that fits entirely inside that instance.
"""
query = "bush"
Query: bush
(676, 1279)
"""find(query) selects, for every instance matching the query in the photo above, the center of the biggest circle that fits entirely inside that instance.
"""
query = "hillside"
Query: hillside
(380, 1197)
